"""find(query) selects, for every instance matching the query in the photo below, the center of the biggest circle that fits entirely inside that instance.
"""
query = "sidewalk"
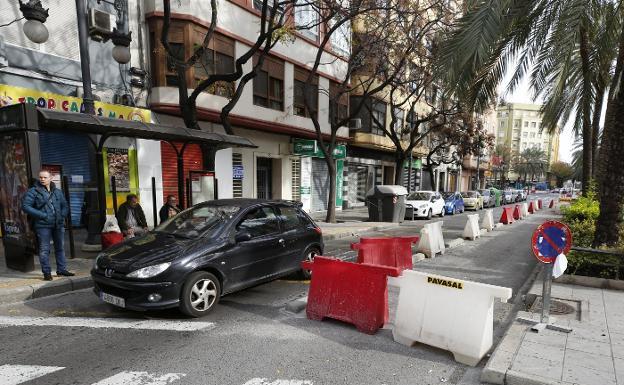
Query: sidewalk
(349, 223)
(592, 354)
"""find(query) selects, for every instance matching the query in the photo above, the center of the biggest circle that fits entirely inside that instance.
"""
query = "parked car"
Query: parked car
(517, 195)
(209, 250)
(453, 202)
(498, 196)
(489, 198)
(523, 194)
(472, 200)
(424, 204)
(508, 197)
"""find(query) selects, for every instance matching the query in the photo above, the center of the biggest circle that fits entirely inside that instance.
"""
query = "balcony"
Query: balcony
(378, 142)
(470, 163)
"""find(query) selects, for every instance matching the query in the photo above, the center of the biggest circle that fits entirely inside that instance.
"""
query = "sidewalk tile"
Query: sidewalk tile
(588, 332)
(538, 367)
(544, 352)
(575, 358)
(617, 338)
(618, 350)
(584, 376)
(547, 337)
(619, 370)
(587, 346)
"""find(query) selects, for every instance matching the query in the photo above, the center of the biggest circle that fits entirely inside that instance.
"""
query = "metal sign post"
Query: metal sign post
(549, 240)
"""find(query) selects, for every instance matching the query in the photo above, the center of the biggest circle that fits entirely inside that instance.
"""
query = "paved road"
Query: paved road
(249, 339)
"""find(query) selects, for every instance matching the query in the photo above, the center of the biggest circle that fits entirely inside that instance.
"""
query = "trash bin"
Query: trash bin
(386, 203)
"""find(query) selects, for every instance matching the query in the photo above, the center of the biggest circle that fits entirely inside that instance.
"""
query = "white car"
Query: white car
(424, 204)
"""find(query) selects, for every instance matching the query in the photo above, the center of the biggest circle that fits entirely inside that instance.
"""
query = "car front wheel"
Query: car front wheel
(442, 212)
(309, 256)
(200, 294)
(429, 214)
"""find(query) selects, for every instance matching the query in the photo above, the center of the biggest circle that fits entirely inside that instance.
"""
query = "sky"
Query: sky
(523, 94)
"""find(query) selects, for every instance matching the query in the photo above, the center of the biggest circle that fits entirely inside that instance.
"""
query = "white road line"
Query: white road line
(140, 378)
(103, 323)
(17, 374)
(264, 381)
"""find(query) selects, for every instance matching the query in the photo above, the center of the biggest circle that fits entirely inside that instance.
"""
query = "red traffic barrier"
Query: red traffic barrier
(111, 238)
(539, 204)
(552, 204)
(531, 208)
(386, 251)
(508, 216)
(356, 293)
(516, 212)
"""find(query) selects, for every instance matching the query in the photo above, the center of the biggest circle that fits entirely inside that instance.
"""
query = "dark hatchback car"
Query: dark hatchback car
(207, 251)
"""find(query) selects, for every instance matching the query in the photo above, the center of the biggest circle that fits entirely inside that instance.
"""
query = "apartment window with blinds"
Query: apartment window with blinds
(379, 117)
(268, 85)
(338, 104)
(299, 108)
(218, 58)
(176, 42)
(237, 182)
(296, 179)
(399, 114)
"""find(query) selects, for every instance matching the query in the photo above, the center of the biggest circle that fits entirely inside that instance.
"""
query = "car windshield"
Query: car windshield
(418, 196)
(194, 221)
(469, 194)
(448, 195)
(485, 192)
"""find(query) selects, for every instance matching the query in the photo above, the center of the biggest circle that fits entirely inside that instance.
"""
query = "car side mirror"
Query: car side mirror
(242, 237)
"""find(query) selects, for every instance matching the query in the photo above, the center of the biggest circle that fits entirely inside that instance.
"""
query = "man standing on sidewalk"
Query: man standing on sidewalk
(47, 208)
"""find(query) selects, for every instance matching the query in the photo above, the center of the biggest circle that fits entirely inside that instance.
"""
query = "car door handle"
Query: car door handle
(281, 242)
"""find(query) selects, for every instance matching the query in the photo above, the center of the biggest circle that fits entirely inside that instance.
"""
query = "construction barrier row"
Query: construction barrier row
(386, 251)
(431, 239)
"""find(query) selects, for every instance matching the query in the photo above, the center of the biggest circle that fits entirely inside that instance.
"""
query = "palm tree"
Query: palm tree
(531, 161)
(570, 43)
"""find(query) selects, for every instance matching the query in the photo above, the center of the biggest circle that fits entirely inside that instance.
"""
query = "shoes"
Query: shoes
(47, 277)
(65, 273)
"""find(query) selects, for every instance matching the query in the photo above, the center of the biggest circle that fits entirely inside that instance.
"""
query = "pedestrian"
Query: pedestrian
(131, 218)
(47, 208)
(169, 209)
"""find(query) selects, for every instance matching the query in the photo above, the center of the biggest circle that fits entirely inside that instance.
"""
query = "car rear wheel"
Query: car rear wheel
(309, 256)
(200, 294)
(455, 211)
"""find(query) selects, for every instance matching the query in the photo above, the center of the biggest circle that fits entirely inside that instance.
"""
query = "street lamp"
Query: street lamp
(35, 16)
(121, 50)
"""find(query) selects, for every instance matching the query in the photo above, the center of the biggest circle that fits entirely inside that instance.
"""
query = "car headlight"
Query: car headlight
(95, 263)
(149, 271)
(423, 206)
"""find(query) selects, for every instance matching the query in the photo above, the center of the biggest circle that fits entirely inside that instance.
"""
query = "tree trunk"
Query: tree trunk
(433, 182)
(398, 167)
(331, 202)
(586, 100)
(611, 162)
(596, 129)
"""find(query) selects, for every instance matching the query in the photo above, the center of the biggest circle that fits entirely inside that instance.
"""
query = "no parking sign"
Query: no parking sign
(550, 239)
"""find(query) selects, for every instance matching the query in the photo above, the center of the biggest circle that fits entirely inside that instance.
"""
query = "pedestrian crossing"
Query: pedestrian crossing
(19, 374)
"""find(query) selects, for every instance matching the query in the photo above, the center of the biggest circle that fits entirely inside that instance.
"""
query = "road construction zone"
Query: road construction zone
(446, 282)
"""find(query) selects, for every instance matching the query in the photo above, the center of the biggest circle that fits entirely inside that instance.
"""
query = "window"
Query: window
(524, 145)
(338, 103)
(517, 123)
(259, 222)
(257, 4)
(301, 76)
(176, 42)
(378, 116)
(399, 114)
(218, 58)
(501, 134)
(502, 124)
(411, 121)
(526, 124)
(341, 38)
(532, 135)
(533, 124)
(289, 218)
(307, 20)
(295, 167)
(516, 133)
(268, 85)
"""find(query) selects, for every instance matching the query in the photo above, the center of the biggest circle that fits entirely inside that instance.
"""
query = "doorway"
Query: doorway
(264, 171)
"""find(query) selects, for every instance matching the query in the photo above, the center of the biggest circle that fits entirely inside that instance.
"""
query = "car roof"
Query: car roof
(247, 202)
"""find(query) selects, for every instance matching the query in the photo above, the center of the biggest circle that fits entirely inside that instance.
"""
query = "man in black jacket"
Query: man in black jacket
(169, 209)
(131, 217)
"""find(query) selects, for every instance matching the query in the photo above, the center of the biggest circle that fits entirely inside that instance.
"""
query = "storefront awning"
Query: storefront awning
(89, 124)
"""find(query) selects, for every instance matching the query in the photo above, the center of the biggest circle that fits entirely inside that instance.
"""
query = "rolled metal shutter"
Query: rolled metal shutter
(192, 161)
(320, 184)
(77, 157)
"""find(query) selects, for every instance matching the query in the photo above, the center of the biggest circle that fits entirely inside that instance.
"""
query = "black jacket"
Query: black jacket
(164, 212)
(122, 214)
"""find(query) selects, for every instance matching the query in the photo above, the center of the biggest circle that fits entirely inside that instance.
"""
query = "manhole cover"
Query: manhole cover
(556, 307)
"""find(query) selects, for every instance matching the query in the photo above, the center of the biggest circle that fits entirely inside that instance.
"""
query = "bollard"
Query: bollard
(531, 208)
(525, 210)
(507, 216)
(516, 213)
(488, 220)
(471, 230)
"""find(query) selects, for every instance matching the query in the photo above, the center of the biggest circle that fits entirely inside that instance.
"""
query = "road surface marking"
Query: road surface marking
(265, 381)
(104, 323)
(140, 378)
(17, 374)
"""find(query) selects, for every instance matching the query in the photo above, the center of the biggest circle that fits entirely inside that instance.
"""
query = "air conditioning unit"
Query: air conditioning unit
(100, 24)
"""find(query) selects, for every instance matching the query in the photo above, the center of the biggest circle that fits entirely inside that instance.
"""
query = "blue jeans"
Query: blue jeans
(44, 235)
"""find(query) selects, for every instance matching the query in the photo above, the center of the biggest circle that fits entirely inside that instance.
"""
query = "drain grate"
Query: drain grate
(558, 307)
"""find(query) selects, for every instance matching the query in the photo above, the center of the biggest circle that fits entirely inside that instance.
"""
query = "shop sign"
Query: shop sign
(12, 95)
(416, 163)
(11, 118)
(305, 190)
(237, 172)
(309, 147)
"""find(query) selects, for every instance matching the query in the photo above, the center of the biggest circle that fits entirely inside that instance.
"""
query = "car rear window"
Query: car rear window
(289, 217)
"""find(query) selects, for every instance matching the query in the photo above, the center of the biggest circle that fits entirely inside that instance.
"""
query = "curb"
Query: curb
(297, 305)
(27, 292)
(348, 233)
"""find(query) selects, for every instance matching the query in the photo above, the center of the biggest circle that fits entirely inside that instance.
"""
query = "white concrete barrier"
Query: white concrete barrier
(431, 239)
(488, 220)
(447, 313)
(471, 230)
(535, 208)
(525, 210)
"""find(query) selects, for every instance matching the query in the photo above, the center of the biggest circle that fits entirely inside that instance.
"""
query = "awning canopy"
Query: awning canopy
(89, 124)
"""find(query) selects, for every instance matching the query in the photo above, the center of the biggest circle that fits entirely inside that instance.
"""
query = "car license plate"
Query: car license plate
(112, 299)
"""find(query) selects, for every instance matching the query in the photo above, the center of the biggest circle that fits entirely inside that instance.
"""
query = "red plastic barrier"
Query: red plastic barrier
(351, 292)
(552, 204)
(531, 208)
(386, 251)
(507, 217)
(516, 212)
(539, 204)
(111, 238)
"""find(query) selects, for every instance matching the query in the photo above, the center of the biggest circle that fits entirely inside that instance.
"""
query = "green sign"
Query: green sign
(339, 180)
(416, 163)
(305, 190)
(309, 147)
